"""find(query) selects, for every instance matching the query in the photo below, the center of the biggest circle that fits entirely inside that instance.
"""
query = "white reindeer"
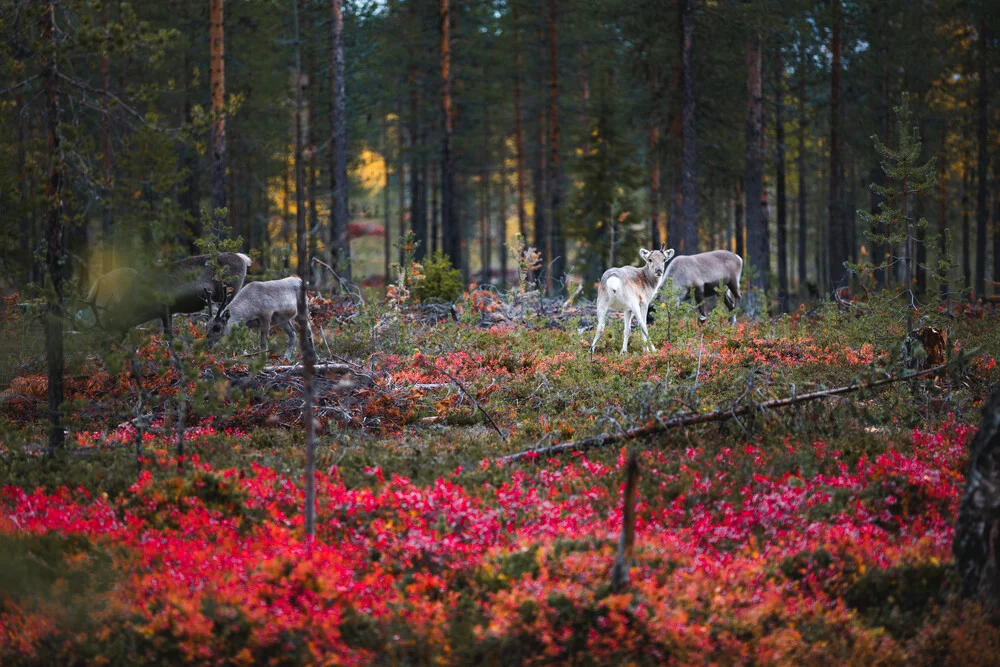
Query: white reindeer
(631, 290)
(261, 304)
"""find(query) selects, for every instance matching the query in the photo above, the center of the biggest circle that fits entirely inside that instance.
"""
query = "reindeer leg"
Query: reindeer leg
(265, 326)
(641, 317)
(289, 329)
(602, 315)
(699, 297)
(628, 330)
(733, 297)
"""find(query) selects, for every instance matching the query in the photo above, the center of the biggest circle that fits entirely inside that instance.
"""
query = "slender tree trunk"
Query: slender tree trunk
(435, 212)
(756, 221)
(54, 233)
(401, 183)
(556, 243)
(996, 225)
(966, 188)
(418, 221)
(944, 287)
(522, 216)
(803, 226)
(779, 167)
(217, 83)
(739, 229)
(653, 164)
(982, 136)
(339, 211)
(541, 177)
(484, 228)
(451, 229)
(106, 214)
(837, 232)
(689, 153)
(882, 276)
(305, 339)
(386, 205)
(502, 218)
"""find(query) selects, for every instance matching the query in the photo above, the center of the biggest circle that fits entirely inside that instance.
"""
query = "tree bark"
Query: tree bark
(837, 248)
(541, 176)
(739, 222)
(54, 260)
(106, 214)
(451, 229)
(556, 243)
(217, 83)
(689, 152)
(418, 221)
(339, 223)
(522, 216)
(502, 217)
(982, 205)
(756, 222)
(779, 167)
(435, 212)
(653, 164)
(484, 228)
(305, 340)
(386, 204)
(803, 226)
(977, 530)
(401, 182)
(966, 187)
(944, 287)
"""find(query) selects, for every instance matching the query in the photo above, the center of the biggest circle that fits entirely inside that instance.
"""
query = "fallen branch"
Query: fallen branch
(467, 395)
(604, 439)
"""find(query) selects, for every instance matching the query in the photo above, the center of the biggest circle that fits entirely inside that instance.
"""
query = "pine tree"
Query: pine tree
(905, 177)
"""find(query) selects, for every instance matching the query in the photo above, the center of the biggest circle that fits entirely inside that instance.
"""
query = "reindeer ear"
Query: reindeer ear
(668, 254)
(226, 315)
(644, 254)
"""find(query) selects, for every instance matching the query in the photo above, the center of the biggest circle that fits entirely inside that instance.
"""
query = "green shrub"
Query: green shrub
(441, 281)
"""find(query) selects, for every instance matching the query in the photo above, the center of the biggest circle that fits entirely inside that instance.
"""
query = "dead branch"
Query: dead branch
(465, 393)
(604, 439)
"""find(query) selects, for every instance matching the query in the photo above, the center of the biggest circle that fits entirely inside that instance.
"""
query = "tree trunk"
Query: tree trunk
(451, 229)
(877, 175)
(217, 83)
(54, 234)
(435, 212)
(756, 222)
(555, 242)
(305, 339)
(339, 223)
(977, 530)
(386, 204)
(502, 218)
(401, 182)
(106, 214)
(418, 223)
(522, 216)
(966, 187)
(653, 163)
(944, 287)
(739, 228)
(982, 205)
(689, 154)
(779, 166)
(803, 226)
(837, 248)
(541, 177)
(484, 228)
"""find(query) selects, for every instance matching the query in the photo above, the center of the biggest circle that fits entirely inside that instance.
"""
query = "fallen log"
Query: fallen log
(271, 374)
(692, 419)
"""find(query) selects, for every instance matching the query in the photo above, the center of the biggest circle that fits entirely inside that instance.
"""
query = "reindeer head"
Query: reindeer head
(218, 324)
(656, 261)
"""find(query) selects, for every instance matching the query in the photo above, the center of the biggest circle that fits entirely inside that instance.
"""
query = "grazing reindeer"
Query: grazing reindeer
(705, 271)
(631, 290)
(124, 298)
(261, 305)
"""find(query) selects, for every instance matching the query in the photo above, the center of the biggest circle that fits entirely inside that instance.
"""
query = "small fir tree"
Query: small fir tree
(893, 226)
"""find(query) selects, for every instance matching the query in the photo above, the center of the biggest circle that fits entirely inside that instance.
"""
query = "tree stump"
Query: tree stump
(925, 348)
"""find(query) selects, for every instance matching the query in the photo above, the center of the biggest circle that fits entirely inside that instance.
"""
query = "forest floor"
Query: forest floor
(819, 532)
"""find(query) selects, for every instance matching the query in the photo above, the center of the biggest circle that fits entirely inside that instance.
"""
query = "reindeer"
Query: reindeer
(124, 298)
(631, 290)
(705, 271)
(260, 305)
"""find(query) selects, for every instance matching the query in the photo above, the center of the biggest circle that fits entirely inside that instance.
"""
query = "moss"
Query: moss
(897, 598)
